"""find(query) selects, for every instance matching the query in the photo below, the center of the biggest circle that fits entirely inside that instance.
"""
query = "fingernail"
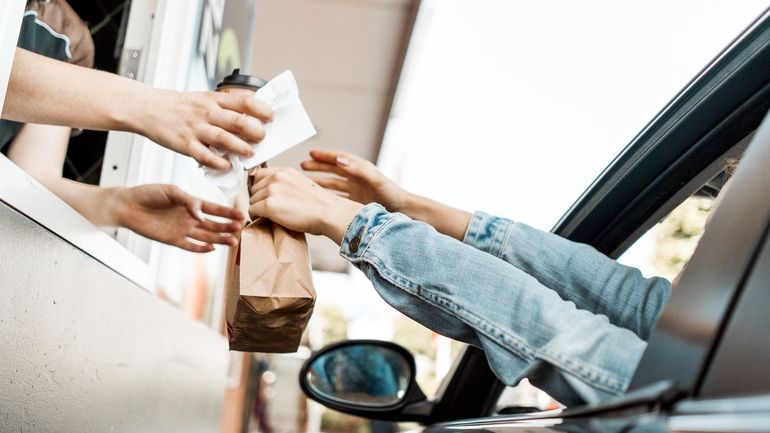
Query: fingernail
(341, 160)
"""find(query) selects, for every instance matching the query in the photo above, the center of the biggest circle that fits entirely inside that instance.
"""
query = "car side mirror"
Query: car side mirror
(368, 378)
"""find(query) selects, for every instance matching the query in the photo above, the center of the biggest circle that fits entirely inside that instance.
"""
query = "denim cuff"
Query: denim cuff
(366, 225)
(487, 233)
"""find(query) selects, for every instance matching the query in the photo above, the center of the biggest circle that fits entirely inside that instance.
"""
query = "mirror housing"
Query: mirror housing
(352, 365)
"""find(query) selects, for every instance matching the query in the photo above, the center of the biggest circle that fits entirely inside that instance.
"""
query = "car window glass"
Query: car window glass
(666, 248)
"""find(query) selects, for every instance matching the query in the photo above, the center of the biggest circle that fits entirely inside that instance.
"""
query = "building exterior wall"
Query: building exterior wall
(86, 350)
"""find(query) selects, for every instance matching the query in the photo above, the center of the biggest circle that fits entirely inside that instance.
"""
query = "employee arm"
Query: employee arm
(160, 212)
(43, 90)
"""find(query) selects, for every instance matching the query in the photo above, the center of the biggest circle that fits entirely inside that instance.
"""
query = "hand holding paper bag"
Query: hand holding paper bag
(271, 300)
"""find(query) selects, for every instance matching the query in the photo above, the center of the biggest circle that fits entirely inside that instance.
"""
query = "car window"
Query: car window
(666, 248)
(662, 251)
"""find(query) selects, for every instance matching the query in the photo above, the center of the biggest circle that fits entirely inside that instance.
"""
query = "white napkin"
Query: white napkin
(290, 126)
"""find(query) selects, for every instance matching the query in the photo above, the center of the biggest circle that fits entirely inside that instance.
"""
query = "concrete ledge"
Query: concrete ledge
(86, 350)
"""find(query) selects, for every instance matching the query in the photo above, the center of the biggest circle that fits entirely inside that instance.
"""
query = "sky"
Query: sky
(515, 107)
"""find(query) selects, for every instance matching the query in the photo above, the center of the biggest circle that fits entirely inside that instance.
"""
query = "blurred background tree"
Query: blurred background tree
(678, 235)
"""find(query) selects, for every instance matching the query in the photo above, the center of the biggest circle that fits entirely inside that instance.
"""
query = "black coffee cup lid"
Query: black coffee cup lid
(241, 80)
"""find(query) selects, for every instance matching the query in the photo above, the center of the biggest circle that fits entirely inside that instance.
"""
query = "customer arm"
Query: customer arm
(457, 290)
(159, 212)
(577, 272)
(43, 90)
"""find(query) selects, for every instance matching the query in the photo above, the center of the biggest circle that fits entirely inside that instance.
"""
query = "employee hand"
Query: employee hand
(167, 214)
(358, 180)
(294, 201)
(194, 123)
(191, 123)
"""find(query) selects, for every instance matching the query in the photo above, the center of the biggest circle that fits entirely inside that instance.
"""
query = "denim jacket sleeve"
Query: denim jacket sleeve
(469, 295)
(577, 272)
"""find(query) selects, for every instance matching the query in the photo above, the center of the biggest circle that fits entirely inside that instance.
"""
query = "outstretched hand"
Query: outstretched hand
(167, 214)
(360, 180)
(356, 179)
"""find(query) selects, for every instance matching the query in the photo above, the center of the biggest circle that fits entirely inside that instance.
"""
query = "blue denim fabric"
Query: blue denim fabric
(577, 272)
(471, 294)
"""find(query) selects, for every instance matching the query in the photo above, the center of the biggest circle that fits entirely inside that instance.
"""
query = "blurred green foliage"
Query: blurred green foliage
(678, 235)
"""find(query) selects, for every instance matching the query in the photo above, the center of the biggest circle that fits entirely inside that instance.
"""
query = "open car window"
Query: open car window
(663, 251)
(681, 347)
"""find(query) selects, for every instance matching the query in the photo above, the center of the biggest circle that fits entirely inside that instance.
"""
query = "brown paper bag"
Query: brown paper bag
(270, 302)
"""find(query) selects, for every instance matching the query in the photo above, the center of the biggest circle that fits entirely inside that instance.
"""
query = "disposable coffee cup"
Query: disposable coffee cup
(240, 83)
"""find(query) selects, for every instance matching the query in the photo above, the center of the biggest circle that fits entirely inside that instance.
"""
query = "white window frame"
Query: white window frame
(26, 195)
(160, 51)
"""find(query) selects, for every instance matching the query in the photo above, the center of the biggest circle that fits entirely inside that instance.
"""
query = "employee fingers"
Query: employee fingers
(208, 237)
(245, 104)
(222, 211)
(206, 157)
(216, 227)
(248, 127)
(332, 183)
(194, 247)
(192, 204)
(221, 139)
